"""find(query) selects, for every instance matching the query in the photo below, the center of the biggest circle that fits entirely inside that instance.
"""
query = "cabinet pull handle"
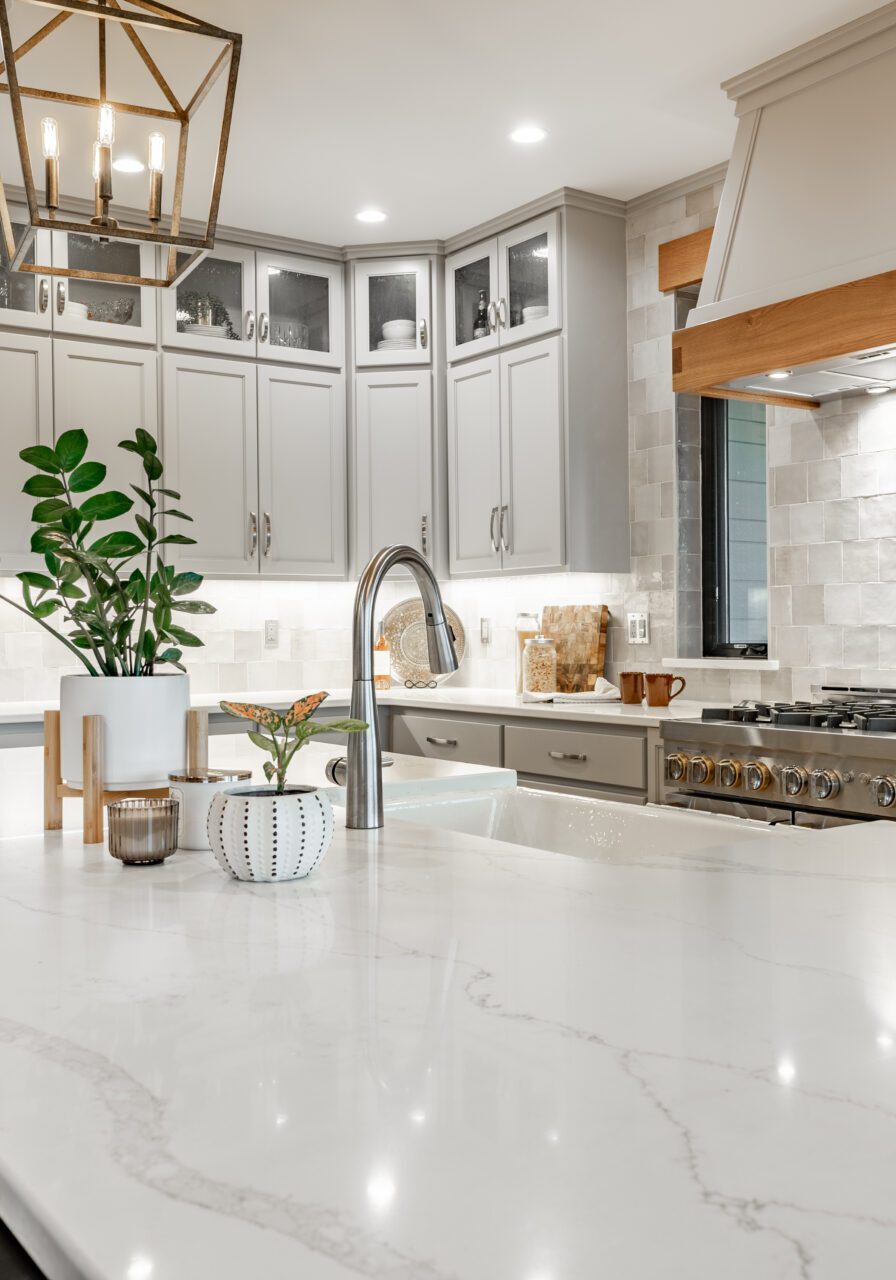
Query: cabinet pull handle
(264, 327)
(61, 297)
(253, 534)
(267, 533)
(424, 534)
(43, 295)
(492, 316)
(505, 545)
(442, 742)
(568, 755)
(424, 336)
(250, 324)
(502, 312)
(491, 531)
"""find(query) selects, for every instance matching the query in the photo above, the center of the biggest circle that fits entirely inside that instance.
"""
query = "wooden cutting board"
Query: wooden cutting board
(580, 634)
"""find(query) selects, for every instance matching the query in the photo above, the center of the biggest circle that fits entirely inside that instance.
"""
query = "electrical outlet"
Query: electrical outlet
(485, 630)
(638, 628)
(271, 633)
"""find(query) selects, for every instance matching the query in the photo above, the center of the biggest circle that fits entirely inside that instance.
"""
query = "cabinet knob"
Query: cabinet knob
(424, 335)
(253, 534)
(493, 316)
(264, 327)
(505, 545)
(268, 534)
(491, 531)
(502, 312)
(61, 297)
(250, 324)
(43, 295)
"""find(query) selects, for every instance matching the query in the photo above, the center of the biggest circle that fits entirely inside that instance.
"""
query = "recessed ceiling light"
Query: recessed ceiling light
(876, 391)
(778, 374)
(128, 164)
(371, 215)
(528, 133)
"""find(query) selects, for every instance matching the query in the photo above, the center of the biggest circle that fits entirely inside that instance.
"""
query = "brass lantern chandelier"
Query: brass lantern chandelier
(130, 15)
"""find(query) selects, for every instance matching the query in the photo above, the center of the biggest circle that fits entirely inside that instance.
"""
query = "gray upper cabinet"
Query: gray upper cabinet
(538, 430)
(213, 309)
(104, 308)
(392, 302)
(26, 376)
(24, 296)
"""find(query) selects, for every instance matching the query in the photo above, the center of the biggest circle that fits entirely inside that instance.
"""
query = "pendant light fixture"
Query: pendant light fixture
(99, 115)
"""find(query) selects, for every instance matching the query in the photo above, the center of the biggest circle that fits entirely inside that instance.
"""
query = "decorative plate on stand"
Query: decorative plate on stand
(405, 630)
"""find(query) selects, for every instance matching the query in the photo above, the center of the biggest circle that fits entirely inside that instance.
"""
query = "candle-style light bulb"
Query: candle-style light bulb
(156, 168)
(49, 137)
(106, 131)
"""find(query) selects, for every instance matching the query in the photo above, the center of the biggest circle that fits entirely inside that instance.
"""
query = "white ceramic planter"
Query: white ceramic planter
(145, 727)
(257, 835)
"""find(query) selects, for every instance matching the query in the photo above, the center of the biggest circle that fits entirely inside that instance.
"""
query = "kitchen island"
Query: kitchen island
(446, 1058)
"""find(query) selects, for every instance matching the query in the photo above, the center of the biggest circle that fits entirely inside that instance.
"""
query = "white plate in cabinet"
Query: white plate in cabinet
(469, 274)
(24, 296)
(468, 741)
(474, 465)
(300, 310)
(611, 759)
(213, 309)
(26, 376)
(302, 472)
(393, 461)
(104, 308)
(392, 300)
(211, 456)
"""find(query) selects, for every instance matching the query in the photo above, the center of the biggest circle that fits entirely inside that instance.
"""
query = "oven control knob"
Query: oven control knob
(729, 772)
(883, 788)
(676, 766)
(824, 784)
(757, 776)
(701, 769)
(794, 780)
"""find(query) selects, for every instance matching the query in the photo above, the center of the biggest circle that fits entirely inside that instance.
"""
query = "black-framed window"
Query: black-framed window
(735, 537)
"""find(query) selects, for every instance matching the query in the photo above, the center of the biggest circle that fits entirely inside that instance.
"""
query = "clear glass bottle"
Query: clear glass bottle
(527, 625)
(382, 660)
(480, 317)
(540, 667)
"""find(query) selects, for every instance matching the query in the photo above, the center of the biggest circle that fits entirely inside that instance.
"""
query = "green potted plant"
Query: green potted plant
(275, 832)
(111, 600)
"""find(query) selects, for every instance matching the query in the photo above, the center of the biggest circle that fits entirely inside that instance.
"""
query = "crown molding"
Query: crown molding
(681, 187)
(563, 196)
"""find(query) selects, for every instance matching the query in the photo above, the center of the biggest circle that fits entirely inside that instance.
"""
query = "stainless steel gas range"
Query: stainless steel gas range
(808, 763)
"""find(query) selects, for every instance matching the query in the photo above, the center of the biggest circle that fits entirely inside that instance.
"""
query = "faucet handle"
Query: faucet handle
(336, 769)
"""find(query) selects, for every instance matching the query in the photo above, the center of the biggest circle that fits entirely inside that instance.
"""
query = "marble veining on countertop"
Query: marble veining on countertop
(443, 1058)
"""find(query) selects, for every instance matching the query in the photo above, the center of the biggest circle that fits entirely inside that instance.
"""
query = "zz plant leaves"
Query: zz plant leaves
(106, 591)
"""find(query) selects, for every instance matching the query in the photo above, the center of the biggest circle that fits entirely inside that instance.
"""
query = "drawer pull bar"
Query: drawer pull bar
(442, 742)
(567, 755)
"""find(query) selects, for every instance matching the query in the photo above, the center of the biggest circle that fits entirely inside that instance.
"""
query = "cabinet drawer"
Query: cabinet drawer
(609, 759)
(468, 741)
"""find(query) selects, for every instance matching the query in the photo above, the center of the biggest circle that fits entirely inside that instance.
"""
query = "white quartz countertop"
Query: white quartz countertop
(482, 701)
(441, 1058)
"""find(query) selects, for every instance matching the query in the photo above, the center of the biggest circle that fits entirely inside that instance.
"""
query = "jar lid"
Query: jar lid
(540, 640)
(210, 775)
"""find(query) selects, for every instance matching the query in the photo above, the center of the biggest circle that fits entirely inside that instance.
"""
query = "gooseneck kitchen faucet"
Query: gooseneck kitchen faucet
(364, 781)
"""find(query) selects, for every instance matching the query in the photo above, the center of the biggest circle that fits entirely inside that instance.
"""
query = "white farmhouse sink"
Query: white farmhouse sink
(576, 825)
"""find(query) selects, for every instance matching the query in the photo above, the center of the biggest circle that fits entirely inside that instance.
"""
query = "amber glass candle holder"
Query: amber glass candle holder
(143, 831)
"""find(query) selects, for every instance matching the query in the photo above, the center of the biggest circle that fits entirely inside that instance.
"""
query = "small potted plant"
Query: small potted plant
(275, 832)
(113, 602)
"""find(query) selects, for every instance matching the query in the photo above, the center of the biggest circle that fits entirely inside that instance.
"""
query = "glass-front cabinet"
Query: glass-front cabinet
(392, 312)
(213, 307)
(504, 290)
(300, 311)
(24, 296)
(106, 308)
(472, 300)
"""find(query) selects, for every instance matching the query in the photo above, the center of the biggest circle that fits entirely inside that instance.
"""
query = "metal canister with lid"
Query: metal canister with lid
(195, 788)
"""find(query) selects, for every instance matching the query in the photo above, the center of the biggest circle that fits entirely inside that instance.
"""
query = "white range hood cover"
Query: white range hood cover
(810, 195)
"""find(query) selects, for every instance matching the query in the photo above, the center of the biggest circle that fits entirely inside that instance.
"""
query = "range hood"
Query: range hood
(800, 278)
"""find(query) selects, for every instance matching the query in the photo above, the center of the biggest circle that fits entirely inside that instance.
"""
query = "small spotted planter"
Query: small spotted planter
(257, 835)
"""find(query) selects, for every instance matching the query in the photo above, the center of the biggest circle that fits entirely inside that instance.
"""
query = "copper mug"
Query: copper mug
(659, 688)
(631, 684)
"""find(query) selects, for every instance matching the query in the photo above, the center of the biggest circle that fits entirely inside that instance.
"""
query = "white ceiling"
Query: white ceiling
(406, 105)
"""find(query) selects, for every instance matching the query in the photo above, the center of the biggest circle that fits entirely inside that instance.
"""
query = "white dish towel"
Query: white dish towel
(603, 691)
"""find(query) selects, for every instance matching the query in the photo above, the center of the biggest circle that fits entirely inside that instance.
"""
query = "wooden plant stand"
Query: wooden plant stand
(94, 793)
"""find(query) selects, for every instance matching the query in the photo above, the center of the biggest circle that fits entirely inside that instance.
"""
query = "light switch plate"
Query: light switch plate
(485, 630)
(271, 633)
(638, 628)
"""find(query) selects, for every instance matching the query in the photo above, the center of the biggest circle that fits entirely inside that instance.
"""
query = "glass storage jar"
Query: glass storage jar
(527, 625)
(540, 667)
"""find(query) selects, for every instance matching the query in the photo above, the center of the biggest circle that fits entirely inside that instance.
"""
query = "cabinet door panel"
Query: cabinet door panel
(300, 310)
(24, 296)
(394, 461)
(109, 391)
(211, 451)
(392, 312)
(474, 466)
(529, 280)
(532, 459)
(301, 447)
(468, 275)
(213, 308)
(104, 308)
(26, 377)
